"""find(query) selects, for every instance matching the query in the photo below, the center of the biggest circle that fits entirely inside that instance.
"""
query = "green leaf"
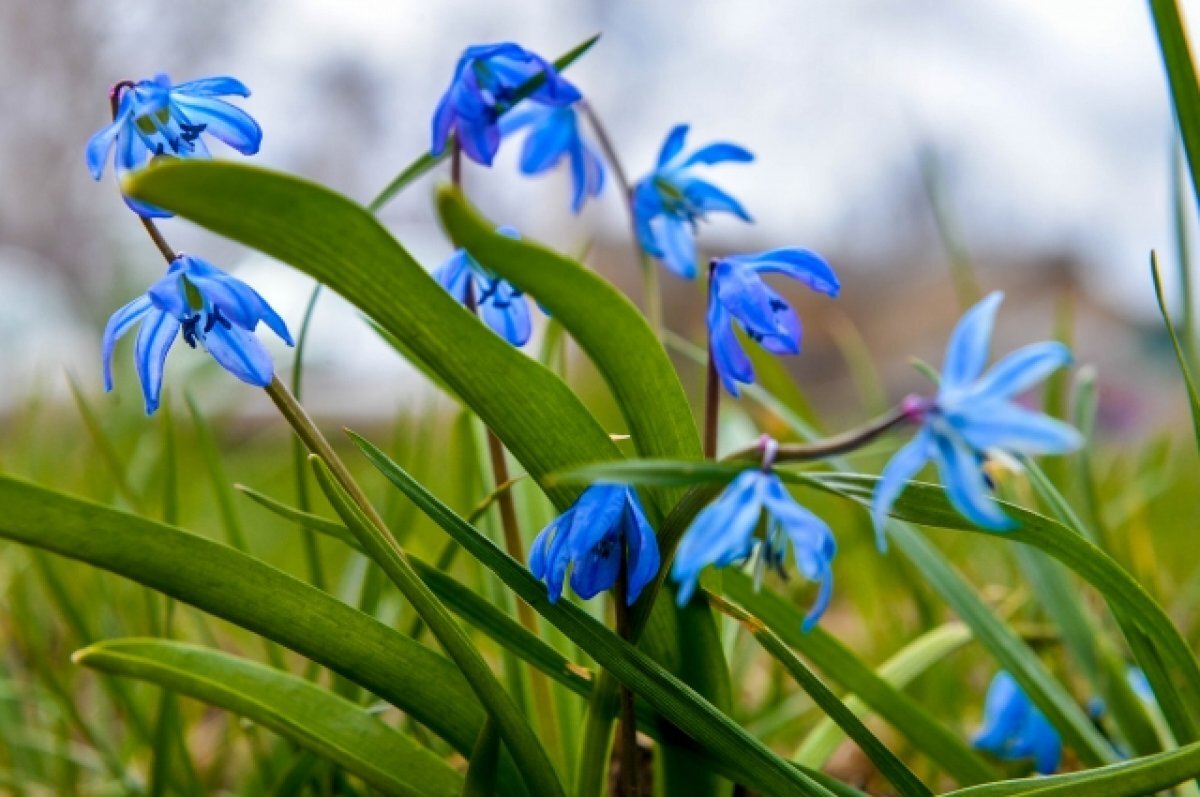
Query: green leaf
(427, 161)
(300, 711)
(1181, 75)
(381, 547)
(884, 759)
(899, 671)
(255, 596)
(342, 245)
(1193, 393)
(1131, 605)
(1141, 776)
(941, 744)
(481, 773)
(651, 472)
(721, 740)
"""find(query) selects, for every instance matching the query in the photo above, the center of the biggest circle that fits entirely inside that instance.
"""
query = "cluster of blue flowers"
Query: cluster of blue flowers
(499, 91)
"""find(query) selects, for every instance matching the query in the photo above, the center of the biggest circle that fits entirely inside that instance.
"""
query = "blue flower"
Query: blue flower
(974, 417)
(737, 292)
(1014, 728)
(485, 85)
(731, 530)
(553, 134)
(669, 201)
(210, 307)
(590, 538)
(502, 305)
(155, 118)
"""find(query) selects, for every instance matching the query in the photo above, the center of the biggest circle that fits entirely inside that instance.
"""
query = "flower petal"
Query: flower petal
(1008, 427)
(674, 237)
(962, 476)
(903, 465)
(100, 144)
(223, 121)
(213, 87)
(672, 145)
(641, 544)
(802, 265)
(118, 325)
(549, 141)
(721, 534)
(730, 359)
(480, 140)
(155, 336)
(967, 352)
(718, 152)
(1021, 370)
(707, 198)
(240, 353)
(507, 313)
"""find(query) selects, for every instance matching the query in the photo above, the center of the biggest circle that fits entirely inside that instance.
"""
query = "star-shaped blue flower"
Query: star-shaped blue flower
(155, 118)
(502, 305)
(974, 416)
(484, 87)
(590, 538)
(211, 308)
(738, 293)
(1014, 729)
(731, 530)
(668, 202)
(554, 134)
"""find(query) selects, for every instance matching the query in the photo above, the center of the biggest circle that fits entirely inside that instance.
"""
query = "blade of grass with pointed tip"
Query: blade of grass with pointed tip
(1189, 382)
(257, 597)
(718, 736)
(295, 708)
(899, 671)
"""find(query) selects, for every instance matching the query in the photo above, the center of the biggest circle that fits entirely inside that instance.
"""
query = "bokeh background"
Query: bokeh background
(1032, 139)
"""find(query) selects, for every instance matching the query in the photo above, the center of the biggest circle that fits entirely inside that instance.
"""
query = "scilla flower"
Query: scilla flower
(502, 305)
(974, 418)
(668, 202)
(737, 293)
(211, 308)
(485, 85)
(155, 118)
(605, 524)
(554, 134)
(755, 517)
(1014, 728)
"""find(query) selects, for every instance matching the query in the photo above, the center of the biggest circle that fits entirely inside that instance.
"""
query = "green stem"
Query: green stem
(651, 291)
(712, 388)
(630, 776)
(372, 533)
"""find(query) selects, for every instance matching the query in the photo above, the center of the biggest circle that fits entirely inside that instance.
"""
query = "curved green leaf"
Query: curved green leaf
(1131, 604)
(310, 716)
(1141, 776)
(722, 740)
(342, 245)
(255, 596)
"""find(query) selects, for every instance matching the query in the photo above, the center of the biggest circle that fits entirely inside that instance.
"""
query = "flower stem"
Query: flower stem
(156, 236)
(831, 446)
(455, 162)
(651, 291)
(712, 389)
(628, 749)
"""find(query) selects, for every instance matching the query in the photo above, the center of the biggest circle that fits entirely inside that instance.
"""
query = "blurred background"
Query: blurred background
(1032, 140)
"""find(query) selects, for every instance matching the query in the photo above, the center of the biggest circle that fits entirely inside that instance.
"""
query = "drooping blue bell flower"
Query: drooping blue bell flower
(485, 84)
(755, 517)
(606, 523)
(210, 307)
(501, 304)
(738, 293)
(155, 118)
(974, 417)
(670, 201)
(554, 134)
(1014, 729)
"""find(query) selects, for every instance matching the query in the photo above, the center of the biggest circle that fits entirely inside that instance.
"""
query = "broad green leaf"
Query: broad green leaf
(1181, 76)
(889, 765)
(898, 671)
(255, 596)
(481, 772)
(1141, 776)
(941, 744)
(720, 739)
(341, 244)
(516, 733)
(292, 707)
(1131, 605)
